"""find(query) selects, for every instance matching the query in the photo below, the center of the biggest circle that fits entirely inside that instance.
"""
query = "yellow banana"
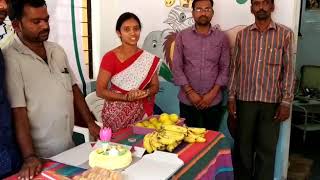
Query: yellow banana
(146, 143)
(162, 148)
(197, 130)
(189, 139)
(175, 135)
(200, 139)
(190, 134)
(166, 141)
(145, 123)
(175, 128)
(171, 147)
(158, 126)
(155, 144)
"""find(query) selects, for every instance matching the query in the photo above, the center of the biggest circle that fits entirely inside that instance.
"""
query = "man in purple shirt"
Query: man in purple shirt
(200, 68)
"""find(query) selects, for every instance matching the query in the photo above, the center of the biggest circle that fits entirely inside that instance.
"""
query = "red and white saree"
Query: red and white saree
(134, 73)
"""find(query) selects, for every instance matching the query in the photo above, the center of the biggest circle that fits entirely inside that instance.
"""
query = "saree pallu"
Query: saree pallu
(136, 74)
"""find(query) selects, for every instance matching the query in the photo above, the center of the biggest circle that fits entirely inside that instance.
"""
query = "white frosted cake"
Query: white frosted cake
(110, 157)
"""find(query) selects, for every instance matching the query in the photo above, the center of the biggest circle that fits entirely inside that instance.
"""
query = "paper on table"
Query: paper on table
(75, 156)
(158, 165)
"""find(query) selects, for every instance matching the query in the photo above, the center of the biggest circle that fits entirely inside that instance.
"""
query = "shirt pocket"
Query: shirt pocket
(65, 79)
(191, 53)
(213, 52)
(275, 56)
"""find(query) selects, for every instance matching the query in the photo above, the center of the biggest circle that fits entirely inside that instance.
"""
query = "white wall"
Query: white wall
(153, 13)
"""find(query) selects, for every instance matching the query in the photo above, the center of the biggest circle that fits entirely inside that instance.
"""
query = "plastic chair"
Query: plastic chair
(83, 131)
(95, 105)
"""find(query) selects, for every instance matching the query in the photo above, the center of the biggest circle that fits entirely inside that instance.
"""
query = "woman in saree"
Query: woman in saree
(132, 75)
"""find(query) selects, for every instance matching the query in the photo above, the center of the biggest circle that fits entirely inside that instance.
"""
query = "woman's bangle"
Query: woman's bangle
(189, 91)
(126, 97)
(148, 92)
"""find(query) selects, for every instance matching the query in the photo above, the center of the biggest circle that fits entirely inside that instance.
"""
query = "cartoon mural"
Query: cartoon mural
(169, 3)
(161, 42)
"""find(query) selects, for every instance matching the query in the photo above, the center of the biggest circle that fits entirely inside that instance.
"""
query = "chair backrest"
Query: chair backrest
(95, 105)
(310, 77)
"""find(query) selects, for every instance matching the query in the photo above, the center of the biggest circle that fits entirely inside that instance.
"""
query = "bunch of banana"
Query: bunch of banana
(162, 140)
(155, 143)
(195, 135)
(174, 128)
(146, 143)
(170, 136)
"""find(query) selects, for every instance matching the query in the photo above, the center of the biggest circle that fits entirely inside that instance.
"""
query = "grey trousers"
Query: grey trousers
(256, 141)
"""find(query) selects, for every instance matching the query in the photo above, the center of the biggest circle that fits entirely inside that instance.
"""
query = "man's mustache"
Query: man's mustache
(203, 16)
(44, 32)
(262, 11)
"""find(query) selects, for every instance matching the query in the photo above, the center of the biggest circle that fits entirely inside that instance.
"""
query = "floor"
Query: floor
(309, 149)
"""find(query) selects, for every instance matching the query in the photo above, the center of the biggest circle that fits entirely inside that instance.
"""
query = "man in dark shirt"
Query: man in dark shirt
(10, 160)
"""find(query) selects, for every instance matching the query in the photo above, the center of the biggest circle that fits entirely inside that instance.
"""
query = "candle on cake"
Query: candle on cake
(105, 137)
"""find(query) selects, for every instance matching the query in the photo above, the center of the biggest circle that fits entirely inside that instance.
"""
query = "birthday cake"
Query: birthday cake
(109, 156)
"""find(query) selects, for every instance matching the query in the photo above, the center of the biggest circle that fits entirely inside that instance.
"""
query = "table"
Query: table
(209, 160)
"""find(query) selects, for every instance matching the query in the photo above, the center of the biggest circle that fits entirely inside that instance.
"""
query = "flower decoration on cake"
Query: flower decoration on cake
(105, 134)
(105, 137)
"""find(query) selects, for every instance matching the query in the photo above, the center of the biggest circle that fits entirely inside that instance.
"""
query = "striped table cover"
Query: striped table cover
(209, 160)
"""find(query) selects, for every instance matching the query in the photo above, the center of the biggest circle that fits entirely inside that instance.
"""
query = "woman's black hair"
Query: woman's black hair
(125, 16)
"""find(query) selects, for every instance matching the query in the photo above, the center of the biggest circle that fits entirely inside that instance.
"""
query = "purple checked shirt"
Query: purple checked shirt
(201, 61)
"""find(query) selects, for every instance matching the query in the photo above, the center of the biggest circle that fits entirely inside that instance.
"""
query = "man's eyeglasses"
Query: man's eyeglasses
(207, 10)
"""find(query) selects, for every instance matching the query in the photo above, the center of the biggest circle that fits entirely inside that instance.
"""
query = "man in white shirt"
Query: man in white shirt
(41, 87)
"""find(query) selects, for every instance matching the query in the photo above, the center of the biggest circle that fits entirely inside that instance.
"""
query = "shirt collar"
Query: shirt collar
(21, 48)
(17, 44)
(211, 30)
(272, 25)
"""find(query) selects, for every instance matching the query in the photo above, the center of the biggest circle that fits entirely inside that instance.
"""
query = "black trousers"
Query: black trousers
(208, 118)
(256, 141)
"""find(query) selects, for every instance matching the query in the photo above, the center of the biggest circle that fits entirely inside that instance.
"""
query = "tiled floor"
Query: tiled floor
(310, 149)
